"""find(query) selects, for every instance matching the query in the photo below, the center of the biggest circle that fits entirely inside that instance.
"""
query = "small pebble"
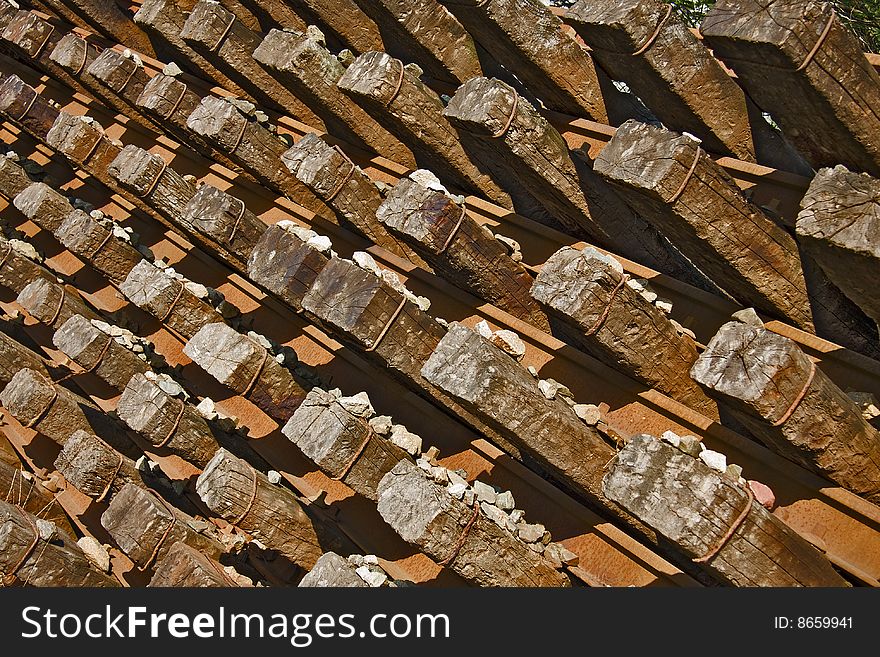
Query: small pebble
(672, 438)
(484, 492)
(589, 413)
(504, 501)
(715, 460)
(763, 494)
(509, 342)
(531, 533)
(96, 553)
(482, 328)
(381, 424)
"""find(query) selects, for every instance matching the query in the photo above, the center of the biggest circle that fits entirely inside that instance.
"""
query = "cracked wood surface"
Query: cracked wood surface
(146, 528)
(270, 513)
(166, 421)
(767, 379)
(253, 146)
(97, 245)
(54, 560)
(224, 39)
(425, 32)
(56, 412)
(561, 181)
(164, 20)
(829, 110)
(695, 203)
(343, 445)
(592, 307)
(525, 37)
(414, 112)
(311, 72)
(52, 303)
(126, 78)
(491, 384)
(346, 189)
(694, 506)
(94, 468)
(247, 368)
(459, 249)
(186, 567)
(95, 351)
(425, 515)
(285, 265)
(839, 227)
(167, 299)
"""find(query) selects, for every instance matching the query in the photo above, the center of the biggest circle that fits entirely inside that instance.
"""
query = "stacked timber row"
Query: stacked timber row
(669, 179)
(303, 212)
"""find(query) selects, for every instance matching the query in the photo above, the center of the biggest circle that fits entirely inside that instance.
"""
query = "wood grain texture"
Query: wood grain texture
(43, 205)
(415, 115)
(96, 245)
(252, 146)
(18, 271)
(425, 515)
(345, 188)
(425, 32)
(125, 78)
(694, 506)
(96, 469)
(730, 239)
(839, 227)
(52, 303)
(489, 383)
(676, 76)
(54, 560)
(84, 143)
(167, 299)
(21, 103)
(166, 421)
(54, 411)
(343, 445)
(358, 307)
(15, 356)
(345, 20)
(95, 351)
(146, 528)
(109, 18)
(762, 376)
(186, 567)
(283, 264)
(492, 112)
(225, 220)
(470, 257)
(593, 308)
(225, 40)
(163, 20)
(525, 37)
(272, 514)
(829, 109)
(149, 178)
(246, 367)
(311, 72)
